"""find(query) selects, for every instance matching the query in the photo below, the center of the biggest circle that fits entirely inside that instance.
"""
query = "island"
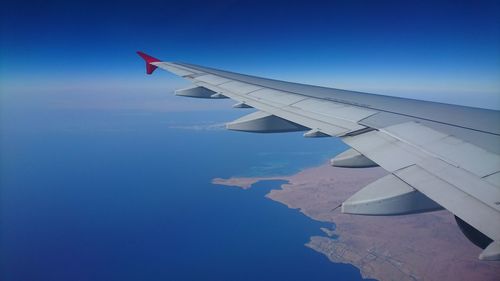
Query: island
(426, 246)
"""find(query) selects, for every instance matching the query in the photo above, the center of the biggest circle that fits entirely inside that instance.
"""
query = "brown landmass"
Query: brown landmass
(414, 247)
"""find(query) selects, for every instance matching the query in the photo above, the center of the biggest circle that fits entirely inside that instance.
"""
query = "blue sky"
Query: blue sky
(82, 53)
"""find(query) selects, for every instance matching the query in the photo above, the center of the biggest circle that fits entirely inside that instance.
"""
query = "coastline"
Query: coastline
(415, 247)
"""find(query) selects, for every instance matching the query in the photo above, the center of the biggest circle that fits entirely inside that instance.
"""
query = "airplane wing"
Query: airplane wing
(438, 155)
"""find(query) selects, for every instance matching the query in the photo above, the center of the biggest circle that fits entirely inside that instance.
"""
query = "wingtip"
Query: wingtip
(148, 59)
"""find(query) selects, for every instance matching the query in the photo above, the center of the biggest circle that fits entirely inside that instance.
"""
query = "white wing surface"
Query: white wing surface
(438, 155)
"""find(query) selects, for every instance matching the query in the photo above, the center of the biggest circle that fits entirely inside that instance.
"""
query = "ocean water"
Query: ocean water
(126, 195)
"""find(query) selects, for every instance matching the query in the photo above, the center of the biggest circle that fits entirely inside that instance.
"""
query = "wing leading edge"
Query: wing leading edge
(439, 155)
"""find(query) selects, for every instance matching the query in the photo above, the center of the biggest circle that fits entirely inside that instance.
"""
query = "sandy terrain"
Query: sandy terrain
(414, 247)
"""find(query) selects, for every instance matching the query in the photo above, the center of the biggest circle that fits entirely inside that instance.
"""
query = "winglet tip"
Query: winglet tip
(148, 59)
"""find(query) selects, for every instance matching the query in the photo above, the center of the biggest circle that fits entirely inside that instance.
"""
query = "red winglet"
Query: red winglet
(149, 59)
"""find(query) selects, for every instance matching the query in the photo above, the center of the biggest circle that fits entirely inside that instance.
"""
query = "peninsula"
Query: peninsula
(414, 247)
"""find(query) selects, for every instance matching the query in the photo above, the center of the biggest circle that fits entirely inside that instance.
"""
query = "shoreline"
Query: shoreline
(415, 247)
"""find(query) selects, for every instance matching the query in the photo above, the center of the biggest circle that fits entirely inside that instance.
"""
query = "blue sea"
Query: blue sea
(127, 195)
